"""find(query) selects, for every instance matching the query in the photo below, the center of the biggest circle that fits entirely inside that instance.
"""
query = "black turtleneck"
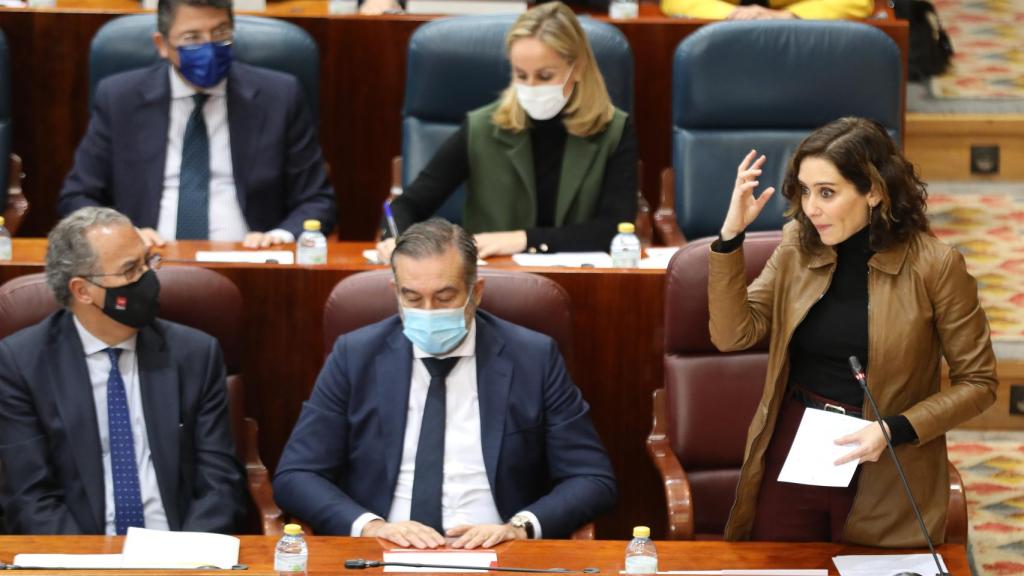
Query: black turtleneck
(835, 328)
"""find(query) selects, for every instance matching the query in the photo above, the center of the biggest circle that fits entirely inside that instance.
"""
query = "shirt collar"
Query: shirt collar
(465, 348)
(181, 89)
(92, 344)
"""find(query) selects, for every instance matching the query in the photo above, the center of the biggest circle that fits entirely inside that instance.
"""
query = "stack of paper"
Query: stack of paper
(149, 549)
(247, 256)
(483, 559)
(887, 564)
(565, 260)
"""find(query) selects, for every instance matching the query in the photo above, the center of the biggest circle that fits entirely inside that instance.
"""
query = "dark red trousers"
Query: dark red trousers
(796, 512)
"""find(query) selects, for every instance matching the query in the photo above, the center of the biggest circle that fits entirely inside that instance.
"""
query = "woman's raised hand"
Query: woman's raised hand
(743, 207)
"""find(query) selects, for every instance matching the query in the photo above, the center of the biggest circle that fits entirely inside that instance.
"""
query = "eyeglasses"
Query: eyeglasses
(222, 36)
(150, 262)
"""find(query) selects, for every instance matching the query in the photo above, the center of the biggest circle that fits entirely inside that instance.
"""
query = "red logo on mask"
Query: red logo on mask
(121, 303)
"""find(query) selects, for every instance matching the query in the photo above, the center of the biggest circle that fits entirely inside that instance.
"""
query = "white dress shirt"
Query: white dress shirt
(98, 363)
(465, 492)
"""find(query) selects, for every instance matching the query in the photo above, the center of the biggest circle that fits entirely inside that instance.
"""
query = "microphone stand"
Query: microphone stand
(858, 374)
(360, 564)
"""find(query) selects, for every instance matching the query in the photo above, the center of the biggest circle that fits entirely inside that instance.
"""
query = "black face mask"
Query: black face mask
(135, 304)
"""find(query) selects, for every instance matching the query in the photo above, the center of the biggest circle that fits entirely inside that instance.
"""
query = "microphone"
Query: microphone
(858, 374)
(360, 564)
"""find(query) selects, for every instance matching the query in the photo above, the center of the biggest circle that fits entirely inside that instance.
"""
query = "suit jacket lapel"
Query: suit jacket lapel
(394, 375)
(72, 390)
(579, 155)
(245, 123)
(493, 382)
(520, 154)
(153, 118)
(161, 405)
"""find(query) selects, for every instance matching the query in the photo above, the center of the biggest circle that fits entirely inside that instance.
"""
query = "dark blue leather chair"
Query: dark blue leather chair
(766, 85)
(127, 42)
(458, 64)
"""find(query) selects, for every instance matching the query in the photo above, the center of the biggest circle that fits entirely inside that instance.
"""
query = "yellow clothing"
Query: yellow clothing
(804, 9)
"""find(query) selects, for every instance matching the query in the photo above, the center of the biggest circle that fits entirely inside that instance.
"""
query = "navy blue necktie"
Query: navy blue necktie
(429, 474)
(128, 509)
(194, 183)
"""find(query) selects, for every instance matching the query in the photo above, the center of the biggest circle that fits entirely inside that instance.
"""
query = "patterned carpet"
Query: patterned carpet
(992, 467)
(988, 37)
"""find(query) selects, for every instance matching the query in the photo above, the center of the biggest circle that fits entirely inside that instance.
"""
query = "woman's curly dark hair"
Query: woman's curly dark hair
(864, 154)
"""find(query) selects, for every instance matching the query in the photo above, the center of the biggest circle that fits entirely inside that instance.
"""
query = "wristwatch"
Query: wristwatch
(523, 521)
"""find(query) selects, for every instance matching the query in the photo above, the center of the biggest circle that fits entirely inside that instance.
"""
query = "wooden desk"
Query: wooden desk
(362, 86)
(327, 555)
(617, 344)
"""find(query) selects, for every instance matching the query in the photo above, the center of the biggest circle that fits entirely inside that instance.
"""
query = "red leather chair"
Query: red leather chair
(195, 297)
(526, 299)
(702, 414)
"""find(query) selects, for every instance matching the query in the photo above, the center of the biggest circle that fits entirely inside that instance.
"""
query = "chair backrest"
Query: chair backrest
(766, 85)
(5, 117)
(26, 300)
(711, 396)
(456, 65)
(126, 43)
(529, 300)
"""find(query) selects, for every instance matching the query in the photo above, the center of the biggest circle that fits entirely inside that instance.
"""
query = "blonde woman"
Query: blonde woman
(551, 165)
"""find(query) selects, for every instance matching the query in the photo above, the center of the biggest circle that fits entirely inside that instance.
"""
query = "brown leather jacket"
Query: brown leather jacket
(922, 306)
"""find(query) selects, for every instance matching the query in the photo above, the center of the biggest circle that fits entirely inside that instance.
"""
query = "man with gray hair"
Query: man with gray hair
(110, 417)
(444, 420)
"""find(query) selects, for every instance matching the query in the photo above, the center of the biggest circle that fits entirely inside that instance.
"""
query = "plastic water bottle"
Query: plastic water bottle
(312, 246)
(291, 555)
(624, 8)
(5, 241)
(626, 247)
(641, 557)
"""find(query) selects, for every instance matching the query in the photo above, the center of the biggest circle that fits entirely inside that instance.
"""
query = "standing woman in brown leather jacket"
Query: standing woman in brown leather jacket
(857, 273)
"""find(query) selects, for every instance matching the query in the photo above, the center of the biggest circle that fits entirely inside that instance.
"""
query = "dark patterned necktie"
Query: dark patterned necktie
(127, 495)
(194, 184)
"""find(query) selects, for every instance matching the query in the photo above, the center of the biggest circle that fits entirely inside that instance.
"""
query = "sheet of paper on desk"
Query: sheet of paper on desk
(373, 257)
(162, 549)
(658, 258)
(886, 564)
(482, 558)
(247, 256)
(565, 260)
(814, 451)
(747, 572)
(83, 561)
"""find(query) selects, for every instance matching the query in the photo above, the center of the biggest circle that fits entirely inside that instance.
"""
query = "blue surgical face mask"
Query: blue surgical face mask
(204, 65)
(436, 331)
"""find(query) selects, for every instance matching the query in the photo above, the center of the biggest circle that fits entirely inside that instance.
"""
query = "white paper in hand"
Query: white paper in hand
(162, 549)
(814, 451)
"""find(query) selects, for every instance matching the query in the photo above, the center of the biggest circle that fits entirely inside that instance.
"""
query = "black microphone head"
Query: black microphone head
(355, 564)
(855, 366)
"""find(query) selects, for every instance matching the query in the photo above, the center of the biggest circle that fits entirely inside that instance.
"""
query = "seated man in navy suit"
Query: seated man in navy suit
(200, 147)
(109, 417)
(444, 420)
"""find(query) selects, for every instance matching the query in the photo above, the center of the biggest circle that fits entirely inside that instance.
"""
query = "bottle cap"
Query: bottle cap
(311, 225)
(638, 531)
(626, 228)
(293, 529)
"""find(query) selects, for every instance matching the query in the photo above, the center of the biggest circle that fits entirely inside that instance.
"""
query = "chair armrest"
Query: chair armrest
(585, 532)
(260, 489)
(677, 486)
(956, 514)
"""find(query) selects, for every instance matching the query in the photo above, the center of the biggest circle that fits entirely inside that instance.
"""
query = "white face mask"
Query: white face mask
(545, 101)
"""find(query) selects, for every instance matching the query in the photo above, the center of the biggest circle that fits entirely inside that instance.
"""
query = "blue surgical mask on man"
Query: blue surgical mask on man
(205, 65)
(436, 332)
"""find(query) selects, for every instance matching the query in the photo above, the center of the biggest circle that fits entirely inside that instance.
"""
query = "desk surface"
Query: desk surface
(328, 554)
